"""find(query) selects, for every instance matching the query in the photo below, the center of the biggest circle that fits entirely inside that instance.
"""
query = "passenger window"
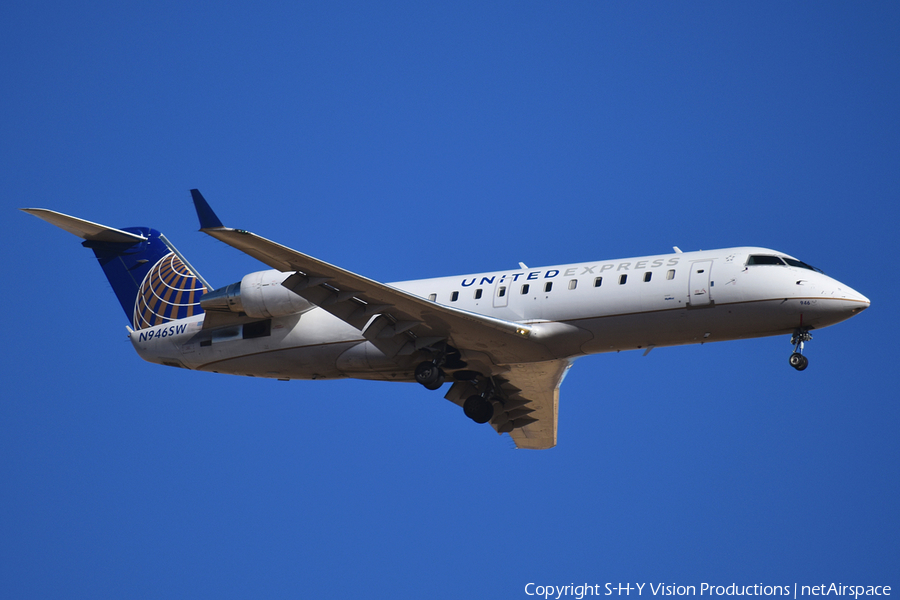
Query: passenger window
(525, 288)
(647, 276)
(501, 292)
(454, 296)
(670, 274)
(478, 293)
(623, 279)
(598, 281)
(432, 297)
(573, 284)
(548, 286)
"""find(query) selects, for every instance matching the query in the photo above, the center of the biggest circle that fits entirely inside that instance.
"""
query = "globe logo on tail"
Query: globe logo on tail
(169, 291)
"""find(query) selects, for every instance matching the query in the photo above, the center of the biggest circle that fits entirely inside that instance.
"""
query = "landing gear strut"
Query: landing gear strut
(797, 360)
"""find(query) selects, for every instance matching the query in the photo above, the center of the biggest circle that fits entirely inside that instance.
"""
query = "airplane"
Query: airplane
(505, 339)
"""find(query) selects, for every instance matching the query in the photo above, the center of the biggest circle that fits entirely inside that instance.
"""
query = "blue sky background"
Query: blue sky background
(409, 140)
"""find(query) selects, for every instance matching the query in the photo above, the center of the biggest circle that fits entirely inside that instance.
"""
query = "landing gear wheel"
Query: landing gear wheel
(478, 409)
(429, 375)
(436, 384)
(798, 361)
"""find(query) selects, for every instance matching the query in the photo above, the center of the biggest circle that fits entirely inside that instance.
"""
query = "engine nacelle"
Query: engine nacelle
(258, 295)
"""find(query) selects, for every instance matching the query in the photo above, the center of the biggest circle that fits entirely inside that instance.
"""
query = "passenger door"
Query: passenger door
(699, 290)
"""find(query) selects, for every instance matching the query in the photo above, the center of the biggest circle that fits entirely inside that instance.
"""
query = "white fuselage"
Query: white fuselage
(584, 308)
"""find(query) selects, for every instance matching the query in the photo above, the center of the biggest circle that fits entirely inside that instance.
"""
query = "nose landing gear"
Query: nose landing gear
(797, 360)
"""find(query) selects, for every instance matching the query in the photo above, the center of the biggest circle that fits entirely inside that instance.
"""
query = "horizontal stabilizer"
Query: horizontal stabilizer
(85, 229)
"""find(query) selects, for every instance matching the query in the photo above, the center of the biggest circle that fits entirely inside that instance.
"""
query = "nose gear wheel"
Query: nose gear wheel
(797, 360)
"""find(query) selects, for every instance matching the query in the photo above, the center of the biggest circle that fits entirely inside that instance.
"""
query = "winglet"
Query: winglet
(208, 219)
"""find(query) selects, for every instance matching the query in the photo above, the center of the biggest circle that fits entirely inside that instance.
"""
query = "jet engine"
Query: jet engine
(257, 295)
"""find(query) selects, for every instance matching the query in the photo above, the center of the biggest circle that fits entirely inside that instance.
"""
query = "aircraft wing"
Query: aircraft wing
(539, 383)
(518, 360)
(395, 321)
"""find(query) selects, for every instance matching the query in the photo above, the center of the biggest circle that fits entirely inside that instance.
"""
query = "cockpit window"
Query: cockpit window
(765, 259)
(762, 259)
(800, 264)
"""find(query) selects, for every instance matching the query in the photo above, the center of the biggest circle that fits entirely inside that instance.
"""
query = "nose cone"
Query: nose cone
(836, 302)
(854, 301)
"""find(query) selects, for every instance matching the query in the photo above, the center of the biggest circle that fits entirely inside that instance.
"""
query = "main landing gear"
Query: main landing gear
(430, 375)
(797, 360)
(478, 408)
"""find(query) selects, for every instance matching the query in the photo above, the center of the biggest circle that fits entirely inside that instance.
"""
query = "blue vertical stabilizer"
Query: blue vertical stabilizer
(153, 284)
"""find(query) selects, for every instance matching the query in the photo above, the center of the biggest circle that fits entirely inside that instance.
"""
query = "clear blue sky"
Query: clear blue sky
(408, 140)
